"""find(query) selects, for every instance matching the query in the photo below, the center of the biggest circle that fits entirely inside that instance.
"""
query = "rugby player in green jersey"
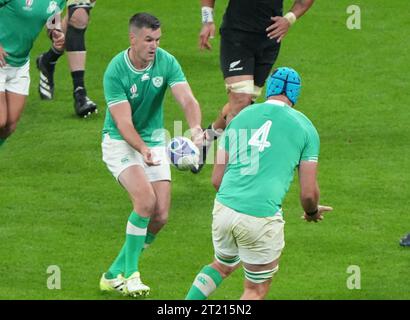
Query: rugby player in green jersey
(21, 21)
(133, 144)
(256, 159)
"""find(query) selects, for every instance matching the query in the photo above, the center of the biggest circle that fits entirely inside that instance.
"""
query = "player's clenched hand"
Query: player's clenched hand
(278, 29)
(149, 157)
(318, 216)
(207, 32)
(58, 38)
(3, 55)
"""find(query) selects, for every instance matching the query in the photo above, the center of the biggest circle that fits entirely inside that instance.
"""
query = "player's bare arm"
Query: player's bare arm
(208, 25)
(281, 25)
(222, 158)
(184, 96)
(121, 113)
(3, 55)
(310, 193)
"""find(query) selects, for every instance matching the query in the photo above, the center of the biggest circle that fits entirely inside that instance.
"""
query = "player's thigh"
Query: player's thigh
(161, 172)
(162, 191)
(118, 155)
(15, 106)
(237, 57)
(223, 220)
(17, 87)
(127, 166)
(264, 61)
(3, 101)
(140, 190)
(3, 109)
(260, 240)
(160, 178)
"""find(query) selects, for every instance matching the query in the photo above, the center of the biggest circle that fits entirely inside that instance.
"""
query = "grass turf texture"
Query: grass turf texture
(60, 206)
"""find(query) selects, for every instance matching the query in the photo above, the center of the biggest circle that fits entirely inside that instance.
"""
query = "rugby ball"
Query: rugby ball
(183, 153)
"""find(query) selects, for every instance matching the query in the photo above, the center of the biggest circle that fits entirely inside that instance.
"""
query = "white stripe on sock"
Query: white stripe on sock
(205, 284)
(135, 231)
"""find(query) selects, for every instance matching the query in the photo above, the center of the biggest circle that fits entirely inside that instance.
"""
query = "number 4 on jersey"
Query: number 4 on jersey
(259, 138)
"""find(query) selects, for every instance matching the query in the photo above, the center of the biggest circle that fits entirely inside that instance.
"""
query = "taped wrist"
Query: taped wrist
(291, 17)
(207, 14)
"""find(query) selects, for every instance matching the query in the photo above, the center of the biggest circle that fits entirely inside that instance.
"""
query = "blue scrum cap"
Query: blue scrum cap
(285, 81)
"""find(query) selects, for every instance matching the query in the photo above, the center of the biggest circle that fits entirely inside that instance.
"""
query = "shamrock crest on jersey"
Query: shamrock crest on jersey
(157, 81)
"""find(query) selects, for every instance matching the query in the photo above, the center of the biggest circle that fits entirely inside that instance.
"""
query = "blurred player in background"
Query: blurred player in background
(405, 241)
(74, 25)
(248, 223)
(133, 149)
(20, 24)
(251, 34)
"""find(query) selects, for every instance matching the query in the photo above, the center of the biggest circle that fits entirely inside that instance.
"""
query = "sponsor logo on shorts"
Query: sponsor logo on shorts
(157, 81)
(125, 160)
(233, 66)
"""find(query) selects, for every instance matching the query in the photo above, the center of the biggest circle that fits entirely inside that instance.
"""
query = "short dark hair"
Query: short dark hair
(144, 20)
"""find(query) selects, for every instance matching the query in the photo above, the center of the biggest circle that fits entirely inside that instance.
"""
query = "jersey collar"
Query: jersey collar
(131, 66)
(277, 102)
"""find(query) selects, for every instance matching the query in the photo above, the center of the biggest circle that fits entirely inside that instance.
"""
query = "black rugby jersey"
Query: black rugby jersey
(251, 15)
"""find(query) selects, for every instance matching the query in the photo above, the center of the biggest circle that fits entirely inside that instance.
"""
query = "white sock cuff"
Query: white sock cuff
(135, 231)
(205, 284)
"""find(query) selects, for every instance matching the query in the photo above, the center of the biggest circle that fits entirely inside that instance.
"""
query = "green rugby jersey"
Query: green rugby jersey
(20, 23)
(144, 90)
(265, 142)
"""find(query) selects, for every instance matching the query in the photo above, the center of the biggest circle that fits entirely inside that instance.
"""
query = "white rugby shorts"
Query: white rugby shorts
(15, 79)
(118, 155)
(253, 240)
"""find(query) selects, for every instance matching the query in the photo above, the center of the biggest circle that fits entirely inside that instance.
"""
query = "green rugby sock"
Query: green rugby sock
(135, 238)
(118, 265)
(127, 260)
(2, 141)
(206, 282)
(149, 239)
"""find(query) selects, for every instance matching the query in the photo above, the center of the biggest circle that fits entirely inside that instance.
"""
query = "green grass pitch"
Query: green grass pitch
(60, 206)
